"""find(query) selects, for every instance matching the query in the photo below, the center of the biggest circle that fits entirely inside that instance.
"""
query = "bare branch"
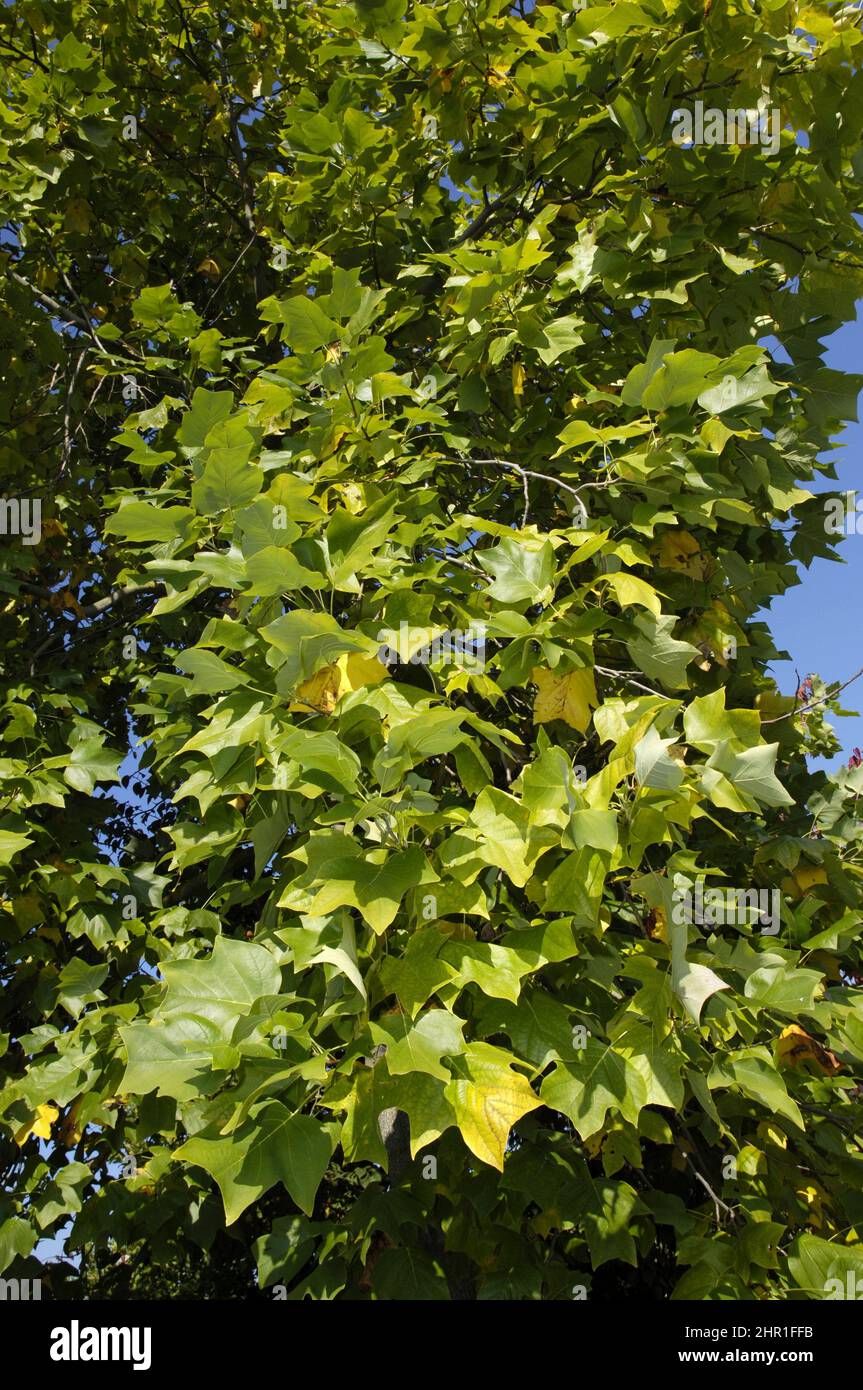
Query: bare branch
(831, 695)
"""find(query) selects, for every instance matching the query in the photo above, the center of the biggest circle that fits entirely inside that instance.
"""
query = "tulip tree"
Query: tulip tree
(337, 960)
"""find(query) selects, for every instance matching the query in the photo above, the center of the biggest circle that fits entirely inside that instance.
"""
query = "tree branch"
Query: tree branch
(831, 695)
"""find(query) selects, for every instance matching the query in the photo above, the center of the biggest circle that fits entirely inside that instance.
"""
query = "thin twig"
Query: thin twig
(606, 671)
(525, 473)
(91, 610)
(717, 1201)
(66, 452)
(831, 695)
(75, 295)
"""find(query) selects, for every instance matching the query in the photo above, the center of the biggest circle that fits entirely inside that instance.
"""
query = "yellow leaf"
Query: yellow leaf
(517, 380)
(770, 704)
(353, 497)
(486, 1111)
(547, 1221)
(323, 690)
(593, 1144)
(715, 634)
(795, 1047)
(77, 217)
(807, 876)
(569, 696)
(678, 550)
(656, 925)
(629, 589)
(39, 1126)
(362, 670)
(820, 25)
(814, 1197)
(715, 435)
(804, 877)
(209, 267)
(770, 1133)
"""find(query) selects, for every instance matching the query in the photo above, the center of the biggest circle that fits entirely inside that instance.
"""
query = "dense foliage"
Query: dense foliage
(337, 327)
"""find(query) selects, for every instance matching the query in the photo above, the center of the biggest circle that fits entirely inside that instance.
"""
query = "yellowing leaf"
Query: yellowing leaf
(770, 704)
(210, 268)
(39, 1126)
(770, 1133)
(629, 589)
(517, 380)
(819, 24)
(323, 690)
(807, 876)
(656, 925)
(715, 435)
(361, 670)
(69, 1133)
(814, 1197)
(796, 1047)
(78, 216)
(569, 696)
(320, 692)
(678, 550)
(489, 1104)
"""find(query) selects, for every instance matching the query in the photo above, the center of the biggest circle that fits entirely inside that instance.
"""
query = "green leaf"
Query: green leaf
(90, 763)
(17, 1239)
(418, 1047)
(11, 843)
(679, 381)
(826, 1269)
(210, 675)
(522, 571)
(375, 889)
(734, 392)
(172, 1056)
(752, 773)
(141, 521)
(653, 766)
(208, 409)
(224, 985)
(409, 1275)
(274, 1146)
(752, 1071)
(576, 886)
(658, 654)
(307, 327)
(227, 482)
(641, 376)
(784, 989)
(420, 971)
(78, 985)
(273, 570)
(592, 1081)
(282, 1252)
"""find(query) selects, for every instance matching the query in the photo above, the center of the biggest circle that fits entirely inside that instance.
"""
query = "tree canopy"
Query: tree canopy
(339, 960)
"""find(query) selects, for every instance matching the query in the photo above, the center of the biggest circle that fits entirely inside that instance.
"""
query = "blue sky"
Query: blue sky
(818, 622)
